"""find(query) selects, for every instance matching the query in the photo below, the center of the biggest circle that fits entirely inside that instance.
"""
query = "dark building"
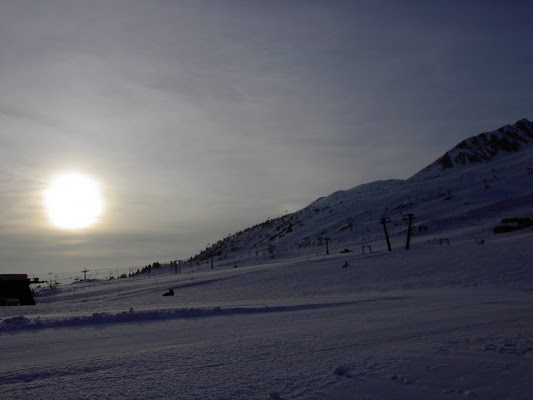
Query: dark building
(15, 290)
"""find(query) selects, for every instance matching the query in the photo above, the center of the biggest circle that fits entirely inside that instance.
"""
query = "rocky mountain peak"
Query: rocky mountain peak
(483, 148)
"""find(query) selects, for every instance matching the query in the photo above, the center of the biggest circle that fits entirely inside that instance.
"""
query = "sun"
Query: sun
(73, 201)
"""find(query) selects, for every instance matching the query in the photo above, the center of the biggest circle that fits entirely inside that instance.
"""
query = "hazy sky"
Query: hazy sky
(201, 118)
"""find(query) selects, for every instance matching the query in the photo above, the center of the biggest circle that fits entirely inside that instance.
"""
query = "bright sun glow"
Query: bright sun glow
(73, 201)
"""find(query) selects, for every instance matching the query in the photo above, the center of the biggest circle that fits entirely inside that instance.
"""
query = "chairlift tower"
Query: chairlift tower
(85, 274)
(327, 239)
(409, 218)
(384, 221)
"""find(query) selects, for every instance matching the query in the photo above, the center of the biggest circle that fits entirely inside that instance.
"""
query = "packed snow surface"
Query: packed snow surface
(431, 322)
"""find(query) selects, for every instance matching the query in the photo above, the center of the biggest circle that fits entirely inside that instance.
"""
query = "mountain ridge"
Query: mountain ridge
(475, 195)
(482, 148)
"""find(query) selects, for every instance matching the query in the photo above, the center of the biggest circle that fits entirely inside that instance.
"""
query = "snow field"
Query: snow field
(432, 322)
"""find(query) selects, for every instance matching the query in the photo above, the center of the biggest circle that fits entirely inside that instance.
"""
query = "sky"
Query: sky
(202, 118)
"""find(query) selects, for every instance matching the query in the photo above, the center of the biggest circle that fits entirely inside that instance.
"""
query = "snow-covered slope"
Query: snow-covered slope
(458, 201)
(435, 322)
(483, 148)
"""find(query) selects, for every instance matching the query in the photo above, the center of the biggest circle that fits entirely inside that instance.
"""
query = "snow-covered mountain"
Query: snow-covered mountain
(482, 148)
(463, 195)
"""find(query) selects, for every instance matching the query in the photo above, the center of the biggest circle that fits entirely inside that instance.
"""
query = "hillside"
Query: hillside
(505, 141)
(489, 178)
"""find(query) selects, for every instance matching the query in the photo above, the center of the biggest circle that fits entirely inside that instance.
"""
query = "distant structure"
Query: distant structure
(384, 221)
(85, 273)
(513, 224)
(409, 218)
(15, 290)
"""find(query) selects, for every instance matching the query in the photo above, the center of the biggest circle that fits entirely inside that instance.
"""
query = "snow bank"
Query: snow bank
(21, 323)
